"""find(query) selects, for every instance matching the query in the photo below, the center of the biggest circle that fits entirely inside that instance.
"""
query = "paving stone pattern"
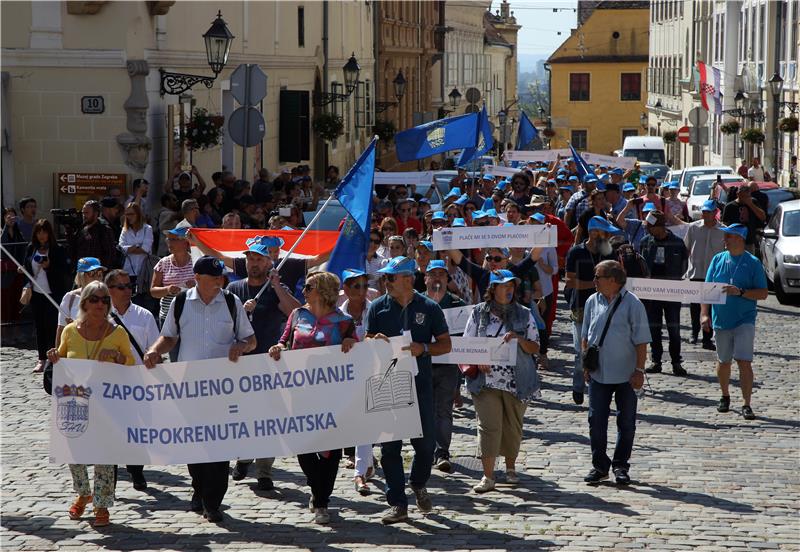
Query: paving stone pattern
(701, 480)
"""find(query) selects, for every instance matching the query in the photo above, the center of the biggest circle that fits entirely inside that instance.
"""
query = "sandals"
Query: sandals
(101, 517)
(361, 486)
(39, 368)
(79, 506)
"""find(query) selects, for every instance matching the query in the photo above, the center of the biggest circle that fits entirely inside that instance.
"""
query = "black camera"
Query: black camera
(67, 217)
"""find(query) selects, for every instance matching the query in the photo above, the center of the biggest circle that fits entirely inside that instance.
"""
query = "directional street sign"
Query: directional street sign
(72, 189)
(683, 134)
(250, 118)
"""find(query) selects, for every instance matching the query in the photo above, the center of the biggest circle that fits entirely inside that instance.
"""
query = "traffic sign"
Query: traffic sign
(683, 134)
(698, 116)
(75, 188)
(246, 126)
(473, 95)
(698, 136)
(253, 85)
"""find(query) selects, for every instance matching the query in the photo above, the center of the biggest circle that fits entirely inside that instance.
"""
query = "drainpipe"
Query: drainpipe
(324, 71)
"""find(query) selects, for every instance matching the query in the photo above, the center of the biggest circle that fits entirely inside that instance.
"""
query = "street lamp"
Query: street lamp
(218, 41)
(643, 120)
(776, 87)
(399, 83)
(455, 97)
(502, 117)
(351, 71)
(738, 99)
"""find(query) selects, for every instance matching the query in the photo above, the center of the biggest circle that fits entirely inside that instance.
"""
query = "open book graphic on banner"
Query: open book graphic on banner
(394, 389)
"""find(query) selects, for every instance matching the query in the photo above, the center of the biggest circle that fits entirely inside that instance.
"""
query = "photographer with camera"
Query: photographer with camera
(94, 238)
(617, 317)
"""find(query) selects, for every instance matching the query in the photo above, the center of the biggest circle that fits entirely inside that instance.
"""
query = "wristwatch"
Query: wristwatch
(640, 370)
(425, 350)
(741, 292)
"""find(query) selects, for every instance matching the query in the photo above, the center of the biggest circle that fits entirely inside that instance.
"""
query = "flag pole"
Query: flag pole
(33, 280)
(295, 244)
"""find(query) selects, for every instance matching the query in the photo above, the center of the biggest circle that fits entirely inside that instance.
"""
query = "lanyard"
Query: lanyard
(728, 264)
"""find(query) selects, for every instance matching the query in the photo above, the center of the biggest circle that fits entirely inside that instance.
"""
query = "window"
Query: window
(627, 132)
(469, 71)
(360, 104)
(630, 87)
(301, 27)
(579, 139)
(579, 87)
(452, 69)
(293, 126)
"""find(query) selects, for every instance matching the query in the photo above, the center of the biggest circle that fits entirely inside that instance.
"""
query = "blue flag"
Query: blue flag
(437, 137)
(354, 192)
(526, 133)
(485, 140)
(581, 165)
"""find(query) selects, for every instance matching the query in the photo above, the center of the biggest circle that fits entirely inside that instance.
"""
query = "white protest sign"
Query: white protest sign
(214, 410)
(472, 237)
(479, 350)
(679, 230)
(403, 178)
(609, 160)
(457, 318)
(678, 291)
(497, 170)
(537, 155)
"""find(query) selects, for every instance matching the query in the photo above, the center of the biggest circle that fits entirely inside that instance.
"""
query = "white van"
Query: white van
(645, 148)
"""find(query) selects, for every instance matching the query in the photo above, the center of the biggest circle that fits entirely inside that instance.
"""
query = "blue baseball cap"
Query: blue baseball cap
(491, 213)
(551, 182)
(462, 200)
(426, 244)
(487, 177)
(438, 215)
(209, 266)
(649, 206)
(179, 232)
(476, 215)
(709, 205)
(673, 185)
(89, 264)
(604, 177)
(501, 277)
(399, 265)
(642, 179)
(568, 188)
(458, 222)
(589, 178)
(599, 223)
(628, 187)
(266, 241)
(487, 204)
(350, 273)
(538, 217)
(573, 178)
(259, 249)
(436, 264)
(736, 229)
(455, 192)
(617, 171)
(502, 185)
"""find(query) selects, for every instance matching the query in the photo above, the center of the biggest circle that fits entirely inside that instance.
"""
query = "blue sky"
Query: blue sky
(540, 24)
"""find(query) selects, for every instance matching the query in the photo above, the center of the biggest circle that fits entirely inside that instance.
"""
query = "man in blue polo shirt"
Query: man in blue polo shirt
(734, 322)
(403, 309)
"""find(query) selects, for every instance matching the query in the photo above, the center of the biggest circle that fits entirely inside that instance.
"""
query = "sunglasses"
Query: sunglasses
(358, 287)
(122, 287)
(495, 258)
(94, 299)
(308, 287)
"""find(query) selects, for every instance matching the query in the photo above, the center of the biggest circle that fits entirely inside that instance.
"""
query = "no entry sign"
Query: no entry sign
(683, 134)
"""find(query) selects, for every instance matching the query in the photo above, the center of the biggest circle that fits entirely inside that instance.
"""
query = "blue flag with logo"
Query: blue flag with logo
(354, 192)
(437, 137)
(580, 164)
(485, 140)
(526, 133)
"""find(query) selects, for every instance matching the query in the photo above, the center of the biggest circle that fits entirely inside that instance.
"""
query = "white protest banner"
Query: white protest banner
(678, 291)
(537, 155)
(679, 230)
(457, 318)
(609, 160)
(479, 350)
(471, 237)
(498, 170)
(214, 410)
(403, 178)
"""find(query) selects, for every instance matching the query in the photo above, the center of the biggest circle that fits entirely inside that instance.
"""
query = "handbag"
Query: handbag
(471, 370)
(145, 275)
(590, 358)
(25, 296)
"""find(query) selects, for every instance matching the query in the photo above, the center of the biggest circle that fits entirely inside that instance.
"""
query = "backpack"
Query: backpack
(180, 302)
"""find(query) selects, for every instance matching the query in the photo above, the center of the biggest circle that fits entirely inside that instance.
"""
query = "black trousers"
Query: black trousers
(210, 483)
(320, 474)
(45, 318)
(671, 312)
(694, 310)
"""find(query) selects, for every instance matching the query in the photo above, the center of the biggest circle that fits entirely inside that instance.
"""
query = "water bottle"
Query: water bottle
(639, 392)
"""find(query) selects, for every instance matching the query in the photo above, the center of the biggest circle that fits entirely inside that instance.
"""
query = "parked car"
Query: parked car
(673, 174)
(775, 194)
(649, 149)
(654, 169)
(689, 173)
(700, 190)
(780, 251)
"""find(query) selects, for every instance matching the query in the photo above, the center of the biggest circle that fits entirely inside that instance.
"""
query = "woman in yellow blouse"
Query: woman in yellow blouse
(93, 336)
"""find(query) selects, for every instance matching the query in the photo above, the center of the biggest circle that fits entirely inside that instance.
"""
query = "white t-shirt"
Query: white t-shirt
(756, 173)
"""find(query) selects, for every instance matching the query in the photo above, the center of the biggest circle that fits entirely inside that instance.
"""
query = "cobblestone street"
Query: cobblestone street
(701, 480)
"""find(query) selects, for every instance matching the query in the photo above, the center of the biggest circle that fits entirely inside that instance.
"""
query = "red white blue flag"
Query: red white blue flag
(710, 83)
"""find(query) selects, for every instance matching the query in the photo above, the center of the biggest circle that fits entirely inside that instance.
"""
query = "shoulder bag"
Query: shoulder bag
(591, 356)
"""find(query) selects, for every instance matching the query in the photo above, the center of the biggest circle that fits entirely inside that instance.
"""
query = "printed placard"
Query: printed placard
(457, 318)
(472, 237)
(678, 291)
(480, 350)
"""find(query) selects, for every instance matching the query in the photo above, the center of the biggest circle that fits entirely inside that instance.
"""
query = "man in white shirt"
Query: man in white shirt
(756, 171)
(142, 331)
(208, 328)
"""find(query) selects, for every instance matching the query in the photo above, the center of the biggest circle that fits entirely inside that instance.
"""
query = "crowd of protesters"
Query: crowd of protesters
(122, 275)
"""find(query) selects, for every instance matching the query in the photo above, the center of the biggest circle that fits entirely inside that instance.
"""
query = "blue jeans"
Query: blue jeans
(578, 385)
(599, 403)
(391, 452)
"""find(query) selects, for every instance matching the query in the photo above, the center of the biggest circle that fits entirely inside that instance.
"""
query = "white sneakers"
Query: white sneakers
(484, 486)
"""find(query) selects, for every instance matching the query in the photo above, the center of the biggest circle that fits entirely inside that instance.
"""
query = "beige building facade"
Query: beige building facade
(56, 54)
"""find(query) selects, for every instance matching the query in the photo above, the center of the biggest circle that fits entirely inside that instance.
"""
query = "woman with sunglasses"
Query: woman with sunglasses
(388, 228)
(47, 262)
(374, 261)
(500, 393)
(406, 216)
(396, 247)
(93, 336)
(89, 270)
(496, 258)
(318, 323)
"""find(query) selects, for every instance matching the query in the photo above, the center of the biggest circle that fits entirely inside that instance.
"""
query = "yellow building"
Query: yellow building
(598, 90)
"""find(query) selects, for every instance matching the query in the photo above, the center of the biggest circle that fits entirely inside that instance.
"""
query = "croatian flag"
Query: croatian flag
(232, 243)
(709, 86)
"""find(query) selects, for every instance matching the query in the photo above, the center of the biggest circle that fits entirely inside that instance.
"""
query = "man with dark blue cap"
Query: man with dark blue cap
(211, 323)
(735, 321)
(579, 286)
(402, 309)
(446, 377)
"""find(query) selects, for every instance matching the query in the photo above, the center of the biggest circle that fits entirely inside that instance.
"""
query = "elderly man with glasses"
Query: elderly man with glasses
(615, 328)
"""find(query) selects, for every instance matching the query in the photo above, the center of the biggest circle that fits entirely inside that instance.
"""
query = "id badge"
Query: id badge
(659, 255)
